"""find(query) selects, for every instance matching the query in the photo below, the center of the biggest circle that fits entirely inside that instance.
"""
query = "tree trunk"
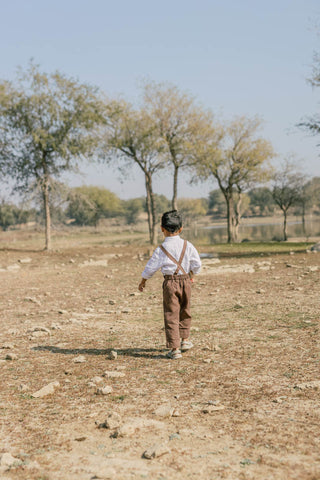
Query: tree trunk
(230, 220)
(150, 208)
(175, 188)
(47, 216)
(304, 218)
(237, 212)
(285, 237)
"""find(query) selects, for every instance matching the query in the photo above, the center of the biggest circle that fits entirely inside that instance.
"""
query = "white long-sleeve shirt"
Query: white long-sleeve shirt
(174, 245)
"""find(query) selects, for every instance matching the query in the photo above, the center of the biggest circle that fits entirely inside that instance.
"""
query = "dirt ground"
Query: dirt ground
(242, 404)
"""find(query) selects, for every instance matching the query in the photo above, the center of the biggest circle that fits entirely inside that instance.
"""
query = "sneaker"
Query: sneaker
(186, 345)
(174, 354)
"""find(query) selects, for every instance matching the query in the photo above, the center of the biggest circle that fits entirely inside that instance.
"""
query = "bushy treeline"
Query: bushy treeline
(88, 205)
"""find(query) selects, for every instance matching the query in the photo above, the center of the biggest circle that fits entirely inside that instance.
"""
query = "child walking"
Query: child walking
(178, 261)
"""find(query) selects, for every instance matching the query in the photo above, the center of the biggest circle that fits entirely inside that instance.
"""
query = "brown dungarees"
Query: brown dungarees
(176, 302)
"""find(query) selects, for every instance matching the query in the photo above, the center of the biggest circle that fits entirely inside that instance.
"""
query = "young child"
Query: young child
(178, 260)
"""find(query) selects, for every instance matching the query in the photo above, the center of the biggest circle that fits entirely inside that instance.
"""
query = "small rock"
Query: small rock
(96, 380)
(11, 356)
(7, 346)
(104, 390)
(25, 260)
(212, 408)
(62, 312)
(79, 359)
(33, 300)
(113, 374)
(165, 410)
(47, 390)
(112, 302)
(125, 430)
(304, 386)
(156, 451)
(39, 329)
(238, 306)
(113, 421)
(23, 388)
(113, 355)
(7, 460)
(260, 290)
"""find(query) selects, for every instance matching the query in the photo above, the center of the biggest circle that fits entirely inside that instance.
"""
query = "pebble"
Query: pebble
(156, 451)
(39, 329)
(112, 421)
(7, 346)
(104, 390)
(213, 408)
(113, 355)
(47, 390)
(96, 380)
(113, 374)
(165, 410)
(79, 359)
(7, 460)
(11, 356)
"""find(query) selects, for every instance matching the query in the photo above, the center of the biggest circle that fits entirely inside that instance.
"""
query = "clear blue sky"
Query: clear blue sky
(237, 57)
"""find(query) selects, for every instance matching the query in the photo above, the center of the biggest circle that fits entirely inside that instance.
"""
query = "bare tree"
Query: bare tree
(181, 124)
(287, 190)
(133, 138)
(237, 159)
(47, 124)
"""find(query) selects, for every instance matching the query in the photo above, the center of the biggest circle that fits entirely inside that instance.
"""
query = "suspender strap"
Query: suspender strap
(178, 263)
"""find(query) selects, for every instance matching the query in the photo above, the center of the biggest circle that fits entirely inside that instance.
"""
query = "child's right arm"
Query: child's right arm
(142, 284)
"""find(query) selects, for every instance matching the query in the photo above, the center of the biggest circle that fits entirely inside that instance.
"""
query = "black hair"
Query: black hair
(171, 221)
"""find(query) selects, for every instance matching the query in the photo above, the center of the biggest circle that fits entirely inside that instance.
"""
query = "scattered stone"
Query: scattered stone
(104, 390)
(23, 387)
(156, 451)
(11, 356)
(113, 421)
(113, 374)
(7, 346)
(96, 380)
(79, 359)
(55, 326)
(238, 306)
(13, 268)
(279, 399)
(213, 408)
(165, 410)
(313, 268)
(62, 312)
(304, 386)
(25, 260)
(113, 355)
(126, 310)
(33, 300)
(39, 329)
(47, 390)
(260, 290)
(7, 461)
(112, 302)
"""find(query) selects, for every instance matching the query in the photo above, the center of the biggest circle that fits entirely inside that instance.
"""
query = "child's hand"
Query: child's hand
(142, 284)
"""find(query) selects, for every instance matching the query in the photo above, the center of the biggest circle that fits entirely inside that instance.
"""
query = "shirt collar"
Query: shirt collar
(170, 239)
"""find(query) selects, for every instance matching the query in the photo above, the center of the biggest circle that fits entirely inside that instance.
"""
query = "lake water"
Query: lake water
(258, 232)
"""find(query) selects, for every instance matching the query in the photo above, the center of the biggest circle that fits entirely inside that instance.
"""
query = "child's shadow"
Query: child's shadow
(126, 352)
